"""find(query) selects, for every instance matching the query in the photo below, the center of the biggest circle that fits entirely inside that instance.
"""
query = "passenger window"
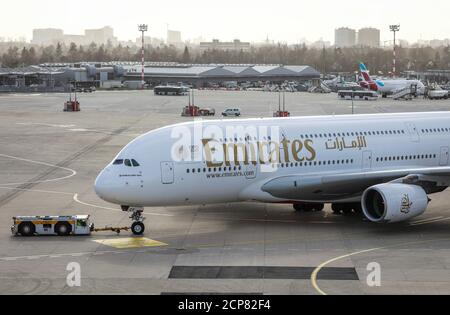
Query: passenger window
(135, 163)
(118, 162)
(128, 163)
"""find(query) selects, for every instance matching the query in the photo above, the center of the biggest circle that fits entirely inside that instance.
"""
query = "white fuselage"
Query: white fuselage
(393, 86)
(312, 148)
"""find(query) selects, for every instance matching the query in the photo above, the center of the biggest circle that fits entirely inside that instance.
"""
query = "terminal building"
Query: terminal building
(202, 75)
(58, 77)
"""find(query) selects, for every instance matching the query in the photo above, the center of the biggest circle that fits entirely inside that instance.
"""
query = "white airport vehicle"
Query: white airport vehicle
(52, 225)
(231, 112)
(170, 90)
(435, 92)
(386, 165)
(72, 224)
(358, 95)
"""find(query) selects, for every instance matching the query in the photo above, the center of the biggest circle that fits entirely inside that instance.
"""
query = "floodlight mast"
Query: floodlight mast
(395, 29)
(143, 28)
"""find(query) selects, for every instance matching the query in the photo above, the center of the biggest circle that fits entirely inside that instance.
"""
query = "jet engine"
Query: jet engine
(390, 203)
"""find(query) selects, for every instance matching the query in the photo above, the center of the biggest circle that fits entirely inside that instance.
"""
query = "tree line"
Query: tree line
(326, 60)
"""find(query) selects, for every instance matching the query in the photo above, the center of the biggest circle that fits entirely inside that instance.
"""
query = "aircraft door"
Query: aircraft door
(367, 161)
(167, 173)
(444, 156)
(413, 132)
(250, 171)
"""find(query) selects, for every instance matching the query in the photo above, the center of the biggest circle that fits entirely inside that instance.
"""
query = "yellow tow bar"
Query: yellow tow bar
(112, 229)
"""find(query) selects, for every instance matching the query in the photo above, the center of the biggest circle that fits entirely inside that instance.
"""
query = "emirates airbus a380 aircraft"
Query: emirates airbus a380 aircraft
(385, 164)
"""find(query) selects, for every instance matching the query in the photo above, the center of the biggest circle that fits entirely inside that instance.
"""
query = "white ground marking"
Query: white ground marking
(46, 125)
(426, 220)
(75, 198)
(73, 129)
(322, 265)
(33, 257)
(73, 172)
(39, 191)
(273, 221)
(430, 221)
(78, 130)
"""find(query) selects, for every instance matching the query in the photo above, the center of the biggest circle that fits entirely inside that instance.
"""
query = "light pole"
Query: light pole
(353, 100)
(395, 29)
(143, 28)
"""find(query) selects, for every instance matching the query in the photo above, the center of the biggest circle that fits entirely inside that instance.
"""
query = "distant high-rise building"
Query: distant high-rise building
(423, 43)
(173, 37)
(101, 36)
(218, 45)
(320, 44)
(403, 43)
(345, 37)
(437, 43)
(76, 39)
(52, 36)
(369, 37)
(150, 41)
(47, 36)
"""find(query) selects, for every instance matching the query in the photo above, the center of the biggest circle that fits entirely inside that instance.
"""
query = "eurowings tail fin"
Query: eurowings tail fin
(365, 72)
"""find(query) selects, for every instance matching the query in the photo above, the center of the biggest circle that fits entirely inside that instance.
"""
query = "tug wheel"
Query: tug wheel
(63, 229)
(138, 228)
(27, 229)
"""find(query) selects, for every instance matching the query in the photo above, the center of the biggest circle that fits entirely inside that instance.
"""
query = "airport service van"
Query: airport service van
(52, 225)
(232, 112)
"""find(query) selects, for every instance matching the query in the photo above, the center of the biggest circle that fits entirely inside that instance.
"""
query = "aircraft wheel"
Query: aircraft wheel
(309, 207)
(299, 207)
(337, 208)
(319, 207)
(27, 229)
(347, 210)
(63, 229)
(138, 228)
(357, 208)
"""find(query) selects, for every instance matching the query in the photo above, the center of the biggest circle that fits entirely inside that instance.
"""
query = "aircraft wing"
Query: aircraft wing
(335, 187)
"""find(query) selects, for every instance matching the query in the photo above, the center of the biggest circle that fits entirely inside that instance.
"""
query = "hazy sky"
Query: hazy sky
(250, 20)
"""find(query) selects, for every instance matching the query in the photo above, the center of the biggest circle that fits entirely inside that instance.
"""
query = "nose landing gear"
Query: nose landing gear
(138, 227)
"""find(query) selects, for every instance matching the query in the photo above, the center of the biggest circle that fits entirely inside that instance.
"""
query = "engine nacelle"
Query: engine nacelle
(389, 203)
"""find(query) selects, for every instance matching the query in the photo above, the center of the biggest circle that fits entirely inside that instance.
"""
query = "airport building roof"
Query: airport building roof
(30, 70)
(223, 71)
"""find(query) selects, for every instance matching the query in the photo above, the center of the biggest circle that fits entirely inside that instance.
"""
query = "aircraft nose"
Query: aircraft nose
(103, 186)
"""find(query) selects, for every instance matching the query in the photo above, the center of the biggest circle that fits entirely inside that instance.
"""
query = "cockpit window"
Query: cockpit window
(118, 162)
(128, 163)
(135, 163)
